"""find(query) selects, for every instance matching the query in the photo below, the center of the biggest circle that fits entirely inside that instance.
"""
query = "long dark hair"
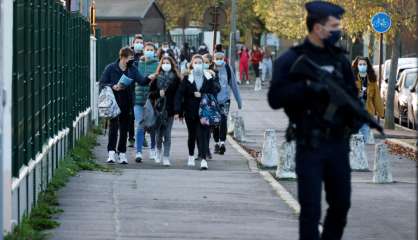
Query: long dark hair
(370, 71)
(173, 66)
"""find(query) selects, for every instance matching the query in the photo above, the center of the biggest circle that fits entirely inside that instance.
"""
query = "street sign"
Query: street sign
(381, 22)
(214, 17)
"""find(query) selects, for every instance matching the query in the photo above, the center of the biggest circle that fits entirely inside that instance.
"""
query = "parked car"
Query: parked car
(403, 63)
(413, 105)
(407, 82)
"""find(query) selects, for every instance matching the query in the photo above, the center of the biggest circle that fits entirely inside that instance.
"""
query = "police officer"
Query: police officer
(322, 153)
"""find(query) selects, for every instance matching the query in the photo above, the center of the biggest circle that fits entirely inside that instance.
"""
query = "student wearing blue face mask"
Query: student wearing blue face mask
(209, 66)
(366, 82)
(228, 83)
(147, 64)
(187, 103)
(138, 47)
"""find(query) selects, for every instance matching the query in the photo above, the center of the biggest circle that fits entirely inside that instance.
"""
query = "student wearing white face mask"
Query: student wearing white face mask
(163, 91)
(187, 103)
(227, 83)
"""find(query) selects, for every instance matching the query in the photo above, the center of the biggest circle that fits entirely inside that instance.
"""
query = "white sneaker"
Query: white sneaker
(155, 155)
(152, 154)
(203, 165)
(166, 162)
(111, 158)
(122, 158)
(248, 82)
(191, 162)
(138, 157)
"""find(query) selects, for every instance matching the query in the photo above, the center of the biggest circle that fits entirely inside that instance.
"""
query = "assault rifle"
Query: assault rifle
(304, 66)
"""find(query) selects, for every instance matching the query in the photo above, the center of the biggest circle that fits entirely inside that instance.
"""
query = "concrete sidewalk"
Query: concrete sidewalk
(384, 212)
(147, 201)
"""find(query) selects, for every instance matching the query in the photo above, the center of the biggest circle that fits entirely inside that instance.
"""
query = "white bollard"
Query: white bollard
(270, 155)
(287, 155)
(231, 121)
(257, 86)
(358, 158)
(382, 170)
(239, 129)
(370, 138)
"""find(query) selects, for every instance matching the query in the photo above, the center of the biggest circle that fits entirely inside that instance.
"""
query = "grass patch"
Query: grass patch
(41, 218)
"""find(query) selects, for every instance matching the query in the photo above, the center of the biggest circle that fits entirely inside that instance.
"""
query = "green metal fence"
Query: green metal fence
(51, 86)
(107, 50)
(193, 40)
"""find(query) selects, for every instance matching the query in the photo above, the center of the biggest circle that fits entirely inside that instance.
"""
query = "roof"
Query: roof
(123, 9)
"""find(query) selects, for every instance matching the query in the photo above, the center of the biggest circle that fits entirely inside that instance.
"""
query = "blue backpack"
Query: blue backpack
(209, 113)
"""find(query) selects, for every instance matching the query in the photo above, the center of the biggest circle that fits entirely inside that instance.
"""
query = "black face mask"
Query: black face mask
(130, 63)
(333, 38)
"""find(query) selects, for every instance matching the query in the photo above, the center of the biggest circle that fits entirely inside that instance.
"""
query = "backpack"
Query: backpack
(161, 115)
(148, 117)
(108, 107)
(209, 113)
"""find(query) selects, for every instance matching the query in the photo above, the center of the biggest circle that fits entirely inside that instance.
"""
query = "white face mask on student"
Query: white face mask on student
(166, 67)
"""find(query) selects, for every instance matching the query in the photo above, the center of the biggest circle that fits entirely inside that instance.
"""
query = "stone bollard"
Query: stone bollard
(231, 121)
(286, 166)
(358, 159)
(239, 129)
(270, 155)
(370, 138)
(381, 170)
(257, 86)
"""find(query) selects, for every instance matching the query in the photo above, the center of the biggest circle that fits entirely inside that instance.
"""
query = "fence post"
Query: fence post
(93, 77)
(6, 68)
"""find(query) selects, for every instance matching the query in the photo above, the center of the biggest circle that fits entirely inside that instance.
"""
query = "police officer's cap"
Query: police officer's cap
(322, 9)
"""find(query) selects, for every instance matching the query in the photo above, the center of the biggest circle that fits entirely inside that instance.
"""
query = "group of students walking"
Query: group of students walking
(172, 93)
(260, 59)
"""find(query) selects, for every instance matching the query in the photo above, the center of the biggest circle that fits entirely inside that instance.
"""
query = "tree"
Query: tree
(194, 10)
(286, 18)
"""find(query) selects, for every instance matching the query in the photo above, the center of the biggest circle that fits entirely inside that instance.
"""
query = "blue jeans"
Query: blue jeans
(140, 133)
(365, 131)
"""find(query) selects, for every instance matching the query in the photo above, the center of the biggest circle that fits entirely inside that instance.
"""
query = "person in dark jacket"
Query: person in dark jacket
(185, 53)
(163, 90)
(165, 50)
(124, 97)
(322, 146)
(203, 49)
(187, 102)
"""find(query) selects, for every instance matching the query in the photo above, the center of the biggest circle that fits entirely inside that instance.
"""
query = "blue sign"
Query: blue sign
(381, 22)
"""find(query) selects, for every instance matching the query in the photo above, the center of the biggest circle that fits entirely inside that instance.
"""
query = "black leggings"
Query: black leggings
(219, 132)
(199, 134)
(118, 126)
(256, 69)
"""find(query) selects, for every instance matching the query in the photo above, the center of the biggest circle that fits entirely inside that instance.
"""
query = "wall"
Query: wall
(119, 27)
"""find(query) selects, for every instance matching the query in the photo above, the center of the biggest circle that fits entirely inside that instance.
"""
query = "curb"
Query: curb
(281, 191)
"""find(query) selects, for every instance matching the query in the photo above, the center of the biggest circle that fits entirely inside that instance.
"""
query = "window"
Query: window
(410, 80)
